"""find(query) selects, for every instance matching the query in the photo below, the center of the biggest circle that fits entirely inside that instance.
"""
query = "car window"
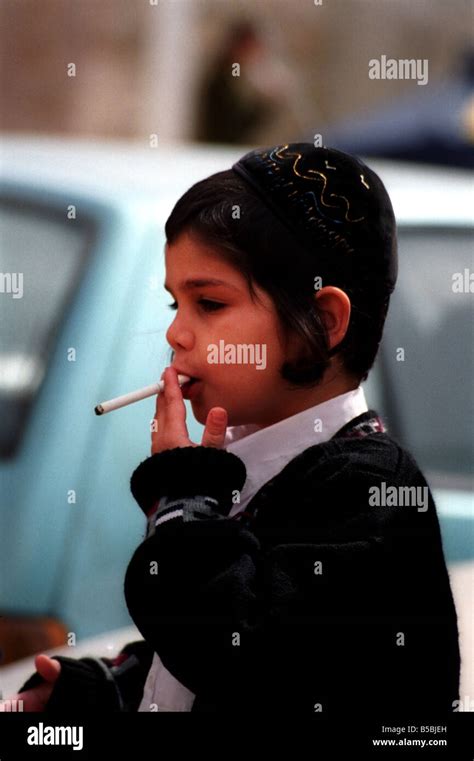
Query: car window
(42, 254)
(428, 348)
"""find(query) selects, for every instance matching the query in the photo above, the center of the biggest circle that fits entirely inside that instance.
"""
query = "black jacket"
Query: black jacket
(315, 601)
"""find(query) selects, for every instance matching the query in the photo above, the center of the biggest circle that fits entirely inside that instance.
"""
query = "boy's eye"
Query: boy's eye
(207, 305)
(210, 306)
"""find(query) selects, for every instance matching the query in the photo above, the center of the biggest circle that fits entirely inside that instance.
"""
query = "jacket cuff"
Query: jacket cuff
(83, 685)
(187, 472)
(88, 684)
(186, 510)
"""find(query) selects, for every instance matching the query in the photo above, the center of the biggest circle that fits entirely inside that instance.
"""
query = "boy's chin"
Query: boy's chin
(199, 417)
(200, 413)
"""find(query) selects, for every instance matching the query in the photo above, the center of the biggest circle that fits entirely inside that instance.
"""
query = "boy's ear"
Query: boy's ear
(335, 309)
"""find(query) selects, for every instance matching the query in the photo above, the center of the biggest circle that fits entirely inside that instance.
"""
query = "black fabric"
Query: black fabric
(238, 614)
(155, 477)
(81, 686)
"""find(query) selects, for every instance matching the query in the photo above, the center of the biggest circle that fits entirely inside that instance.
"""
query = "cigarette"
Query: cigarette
(135, 396)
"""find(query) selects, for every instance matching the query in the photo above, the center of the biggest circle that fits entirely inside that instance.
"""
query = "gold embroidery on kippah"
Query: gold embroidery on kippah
(297, 157)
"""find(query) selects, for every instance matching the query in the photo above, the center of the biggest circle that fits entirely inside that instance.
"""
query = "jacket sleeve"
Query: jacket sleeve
(230, 619)
(102, 684)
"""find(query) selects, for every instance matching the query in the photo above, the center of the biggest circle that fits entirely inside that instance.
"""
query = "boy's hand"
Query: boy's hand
(36, 698)
(170, 417)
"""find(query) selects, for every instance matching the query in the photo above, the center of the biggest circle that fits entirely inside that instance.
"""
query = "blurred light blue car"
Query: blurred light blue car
(83, 222)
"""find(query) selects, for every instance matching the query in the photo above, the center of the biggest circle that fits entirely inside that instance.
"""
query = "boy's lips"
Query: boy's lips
(185, 372)
(187, 388)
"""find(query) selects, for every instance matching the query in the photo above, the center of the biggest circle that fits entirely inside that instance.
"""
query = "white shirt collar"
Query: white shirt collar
(266, 451)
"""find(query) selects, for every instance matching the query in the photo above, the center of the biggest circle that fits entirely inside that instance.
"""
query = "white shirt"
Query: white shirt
(265, 452)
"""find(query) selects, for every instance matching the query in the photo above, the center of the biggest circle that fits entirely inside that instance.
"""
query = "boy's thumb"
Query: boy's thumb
(215, 429)
(48, 668)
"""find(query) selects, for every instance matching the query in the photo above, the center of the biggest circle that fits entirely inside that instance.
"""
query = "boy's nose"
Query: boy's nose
(179, 337)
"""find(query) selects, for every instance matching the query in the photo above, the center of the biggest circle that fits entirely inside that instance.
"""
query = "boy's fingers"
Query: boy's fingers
(170, 415)
(171, 399)
(171, 410)
(35, 700)
(215, 430)
(173, 393)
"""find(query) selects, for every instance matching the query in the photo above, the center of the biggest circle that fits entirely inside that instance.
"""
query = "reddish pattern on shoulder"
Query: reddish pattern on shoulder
(120, 659)
(152, 509)
(373, 425)
(239, 516)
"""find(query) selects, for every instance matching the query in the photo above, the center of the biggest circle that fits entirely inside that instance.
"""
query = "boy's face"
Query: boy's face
(249, 394)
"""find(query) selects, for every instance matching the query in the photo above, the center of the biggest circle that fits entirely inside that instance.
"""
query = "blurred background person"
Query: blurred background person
(247, 92)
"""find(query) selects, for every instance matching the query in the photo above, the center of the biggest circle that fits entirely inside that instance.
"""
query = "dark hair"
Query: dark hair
(224, 212)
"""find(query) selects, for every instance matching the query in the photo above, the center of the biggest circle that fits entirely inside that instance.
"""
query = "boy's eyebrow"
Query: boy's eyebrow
(191, 283)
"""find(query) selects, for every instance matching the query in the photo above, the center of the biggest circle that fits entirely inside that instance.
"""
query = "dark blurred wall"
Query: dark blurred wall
(39, 39)
(139, 64)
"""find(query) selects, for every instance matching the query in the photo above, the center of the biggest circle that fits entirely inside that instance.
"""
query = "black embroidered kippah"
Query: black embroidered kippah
(332, 202)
